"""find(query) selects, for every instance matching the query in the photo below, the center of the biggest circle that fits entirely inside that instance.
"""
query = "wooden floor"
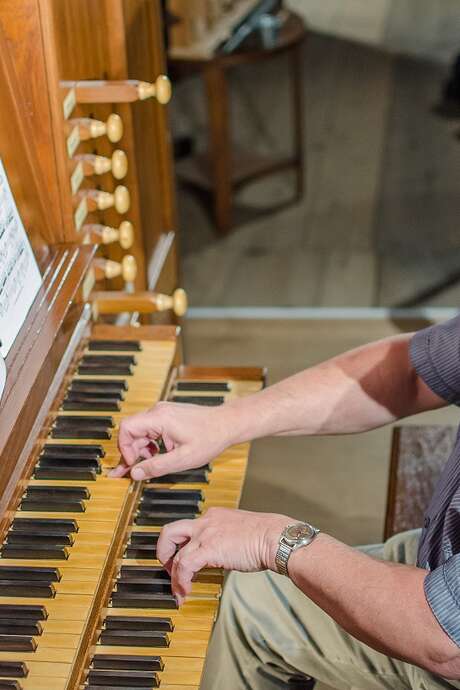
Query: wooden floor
(379, 222)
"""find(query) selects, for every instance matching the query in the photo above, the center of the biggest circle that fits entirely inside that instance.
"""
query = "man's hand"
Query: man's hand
(222, 538)
(192, 435)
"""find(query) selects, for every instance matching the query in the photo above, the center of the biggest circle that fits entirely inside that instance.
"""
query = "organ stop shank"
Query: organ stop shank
(84, 604)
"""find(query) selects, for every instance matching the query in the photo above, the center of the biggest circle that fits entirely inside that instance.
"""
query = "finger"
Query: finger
(142, 449)
(161, 464)
(139, 427)
(120, 470)
(173, 535)
(188, 561)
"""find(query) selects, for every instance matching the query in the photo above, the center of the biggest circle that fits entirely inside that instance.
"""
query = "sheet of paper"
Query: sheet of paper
(20, 278)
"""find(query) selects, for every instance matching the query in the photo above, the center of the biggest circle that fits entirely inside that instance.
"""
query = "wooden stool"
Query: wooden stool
(223, 169)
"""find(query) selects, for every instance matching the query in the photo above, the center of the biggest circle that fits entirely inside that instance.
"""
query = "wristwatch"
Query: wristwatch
(292, 538)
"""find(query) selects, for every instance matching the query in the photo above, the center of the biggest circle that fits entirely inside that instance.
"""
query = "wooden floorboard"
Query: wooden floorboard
(379, 223)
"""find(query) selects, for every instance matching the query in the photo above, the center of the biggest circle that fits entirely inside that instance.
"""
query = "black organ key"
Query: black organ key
(141, 586)
(35, 552)
(83, 432)
(134, 638)
(107, 385)
(84, 404)
(128, 662)
(61, 450)
(17, 626)
(93, 686)
(156, 518)
(199, 476)
(166, 505)
(106, 365)
(144, 538)
(17, 643)
(203, 386)
(105, 370)
(132, 600)
(72, 462)
(52, 505)
(6, 684)
(122, 678)
(59, 492)
(27, 588)
(139, 623)
(49, 538)
(66, 473)
(28, 525)
(78, 421)
(207, 400)
(34, 612)
(13, 669)
(147, 572)
(194, 495)
(19, 572)
(87, 360)
(87, 393)
(115, 345)
(141, 551)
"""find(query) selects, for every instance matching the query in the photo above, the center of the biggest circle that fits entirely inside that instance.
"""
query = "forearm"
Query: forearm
(360, 390)
(380, 603)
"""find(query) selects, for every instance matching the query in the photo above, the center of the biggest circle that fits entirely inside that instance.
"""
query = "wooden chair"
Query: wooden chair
(418, 456)
(223, 169)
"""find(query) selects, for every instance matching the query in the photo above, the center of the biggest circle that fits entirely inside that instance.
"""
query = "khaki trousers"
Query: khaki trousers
(268, 632)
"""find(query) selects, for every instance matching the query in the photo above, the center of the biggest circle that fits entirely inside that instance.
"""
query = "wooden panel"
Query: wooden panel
(146, 60)
(20, 158)
(418, 456)
(21, 26)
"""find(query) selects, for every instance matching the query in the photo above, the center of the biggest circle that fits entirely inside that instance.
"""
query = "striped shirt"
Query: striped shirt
(435, 354)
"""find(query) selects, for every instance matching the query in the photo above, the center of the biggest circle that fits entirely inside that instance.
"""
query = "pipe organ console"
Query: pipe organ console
(84, 604)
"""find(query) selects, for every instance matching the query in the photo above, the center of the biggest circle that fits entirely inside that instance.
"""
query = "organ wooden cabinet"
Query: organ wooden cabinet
(95, 86)
(83, 601)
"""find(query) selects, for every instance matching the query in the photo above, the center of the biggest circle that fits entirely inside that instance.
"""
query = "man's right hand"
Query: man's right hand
(192, 436)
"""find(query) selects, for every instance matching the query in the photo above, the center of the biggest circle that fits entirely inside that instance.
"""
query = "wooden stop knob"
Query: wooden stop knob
(105, 234)
(129, 268)
(119, 164)
(142, 302)
(114, 128)
(121, 199)
(126, 234)
(106, 268)
(160, 89)
(178, 302)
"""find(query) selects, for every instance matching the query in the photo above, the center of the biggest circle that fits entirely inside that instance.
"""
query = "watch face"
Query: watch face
(298, 531)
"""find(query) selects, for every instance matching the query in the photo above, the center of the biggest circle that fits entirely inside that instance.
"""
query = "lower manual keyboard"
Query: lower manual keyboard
(58, 554)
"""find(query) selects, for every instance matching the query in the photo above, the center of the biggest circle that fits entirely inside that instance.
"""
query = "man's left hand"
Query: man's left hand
(222, 538)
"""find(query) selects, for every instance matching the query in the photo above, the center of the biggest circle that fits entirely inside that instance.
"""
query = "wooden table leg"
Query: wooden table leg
(219, 148)
(298, 115)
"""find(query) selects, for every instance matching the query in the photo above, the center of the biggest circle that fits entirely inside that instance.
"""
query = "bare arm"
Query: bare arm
(381, 604)
(356, 391)
(360, 390)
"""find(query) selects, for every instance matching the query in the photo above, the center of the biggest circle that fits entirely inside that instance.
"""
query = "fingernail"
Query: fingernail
(138, 474)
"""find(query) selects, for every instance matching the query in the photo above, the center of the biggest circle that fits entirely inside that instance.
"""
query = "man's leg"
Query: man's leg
(269, 631)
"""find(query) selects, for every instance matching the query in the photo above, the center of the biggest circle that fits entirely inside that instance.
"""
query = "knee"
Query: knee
(402, 548)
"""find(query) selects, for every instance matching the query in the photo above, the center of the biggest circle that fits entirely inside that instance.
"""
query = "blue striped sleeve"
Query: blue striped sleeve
(435, 355)
(442, 590)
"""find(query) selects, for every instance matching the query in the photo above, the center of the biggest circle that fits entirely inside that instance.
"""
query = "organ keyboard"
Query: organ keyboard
(83, 601)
